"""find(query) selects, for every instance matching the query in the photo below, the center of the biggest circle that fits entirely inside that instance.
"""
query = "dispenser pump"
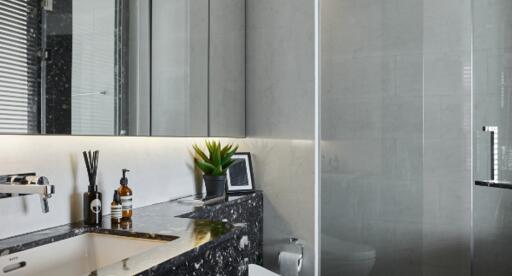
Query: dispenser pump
(117, 197)
(124, 179)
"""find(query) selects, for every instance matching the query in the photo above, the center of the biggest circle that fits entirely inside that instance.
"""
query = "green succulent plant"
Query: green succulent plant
(218, 160)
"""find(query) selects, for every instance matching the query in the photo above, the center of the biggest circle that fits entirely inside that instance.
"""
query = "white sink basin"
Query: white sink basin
(74, 256)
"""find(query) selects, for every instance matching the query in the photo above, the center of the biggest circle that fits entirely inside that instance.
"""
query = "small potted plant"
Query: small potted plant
(214, 166)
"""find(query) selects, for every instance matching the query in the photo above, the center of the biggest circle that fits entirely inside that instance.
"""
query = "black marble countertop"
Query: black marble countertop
(176, 221)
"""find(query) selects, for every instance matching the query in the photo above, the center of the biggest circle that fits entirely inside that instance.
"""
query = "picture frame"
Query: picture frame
(240, 176)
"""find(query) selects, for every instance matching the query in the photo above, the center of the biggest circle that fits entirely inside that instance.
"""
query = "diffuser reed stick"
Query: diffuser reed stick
(91, 163)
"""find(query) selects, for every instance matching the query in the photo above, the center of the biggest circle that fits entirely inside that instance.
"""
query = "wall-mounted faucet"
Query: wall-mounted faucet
(25, 184)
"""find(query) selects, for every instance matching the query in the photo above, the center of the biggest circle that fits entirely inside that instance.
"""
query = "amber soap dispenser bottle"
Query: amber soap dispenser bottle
(116, 209)
(126, 196)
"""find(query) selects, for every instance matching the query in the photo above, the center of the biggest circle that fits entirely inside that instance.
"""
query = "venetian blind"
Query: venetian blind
(19, 66)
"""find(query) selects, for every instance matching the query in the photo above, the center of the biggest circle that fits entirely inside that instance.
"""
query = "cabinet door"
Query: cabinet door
(227, 68)
(179, 93)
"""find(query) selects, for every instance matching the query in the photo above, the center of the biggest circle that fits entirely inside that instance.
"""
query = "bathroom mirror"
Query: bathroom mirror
(122, 67)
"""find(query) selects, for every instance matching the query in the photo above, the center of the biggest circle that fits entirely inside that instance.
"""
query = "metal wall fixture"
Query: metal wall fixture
(298, 244)
(493, 151)
(494, 180)
(27, 184)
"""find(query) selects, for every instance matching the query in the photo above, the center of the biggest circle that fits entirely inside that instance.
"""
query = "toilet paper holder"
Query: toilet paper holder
(300, 245)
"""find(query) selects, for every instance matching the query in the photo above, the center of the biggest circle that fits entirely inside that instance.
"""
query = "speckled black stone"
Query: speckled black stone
(59, 40)
(248, 211)
(226, 257)
(222, 239)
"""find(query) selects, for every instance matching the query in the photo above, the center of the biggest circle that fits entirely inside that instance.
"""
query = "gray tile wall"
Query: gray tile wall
(226, 96)
(280, 64)
(280, 120)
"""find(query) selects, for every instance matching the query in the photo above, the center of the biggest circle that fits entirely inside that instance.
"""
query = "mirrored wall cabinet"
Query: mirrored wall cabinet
(123, 67)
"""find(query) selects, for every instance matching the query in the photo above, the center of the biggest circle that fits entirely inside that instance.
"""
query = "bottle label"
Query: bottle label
(126, 201)
(116, 212)
(96, 206)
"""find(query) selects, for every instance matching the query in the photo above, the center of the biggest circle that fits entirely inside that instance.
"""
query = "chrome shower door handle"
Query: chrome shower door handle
(494, 151)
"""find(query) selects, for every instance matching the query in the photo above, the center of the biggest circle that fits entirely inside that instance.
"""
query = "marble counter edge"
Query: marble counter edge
(145, 262)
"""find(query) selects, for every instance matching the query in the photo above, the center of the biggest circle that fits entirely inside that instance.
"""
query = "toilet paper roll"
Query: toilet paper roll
(290, 264)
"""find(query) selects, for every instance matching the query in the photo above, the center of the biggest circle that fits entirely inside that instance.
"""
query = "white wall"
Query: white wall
(161, 169)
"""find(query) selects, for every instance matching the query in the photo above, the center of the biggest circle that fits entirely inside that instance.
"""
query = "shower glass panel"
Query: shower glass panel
(492, 155)
(395, 137)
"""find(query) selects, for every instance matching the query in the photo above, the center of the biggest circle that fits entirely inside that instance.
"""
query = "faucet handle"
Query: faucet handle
(50, 190)
(44, 204)
(19, 178)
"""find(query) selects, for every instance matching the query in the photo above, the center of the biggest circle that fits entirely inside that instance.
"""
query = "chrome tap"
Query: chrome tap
(26, 184)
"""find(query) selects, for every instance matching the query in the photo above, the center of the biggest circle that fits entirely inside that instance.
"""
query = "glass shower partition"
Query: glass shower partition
(492, 133)
(395, 137)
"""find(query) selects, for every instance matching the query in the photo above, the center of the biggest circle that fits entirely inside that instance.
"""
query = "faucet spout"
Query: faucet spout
(27, 185)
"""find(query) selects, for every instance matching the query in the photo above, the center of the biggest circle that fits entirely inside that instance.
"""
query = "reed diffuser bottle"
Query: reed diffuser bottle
(92, 198)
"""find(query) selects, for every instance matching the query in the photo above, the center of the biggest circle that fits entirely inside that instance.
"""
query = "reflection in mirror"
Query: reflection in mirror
(64, 67)
(19, 66)
(89, 44)
(96, 85)
(122, 67)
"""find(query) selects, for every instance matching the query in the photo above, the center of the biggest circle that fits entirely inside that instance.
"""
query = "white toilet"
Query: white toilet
(343, 258)
(256, 270)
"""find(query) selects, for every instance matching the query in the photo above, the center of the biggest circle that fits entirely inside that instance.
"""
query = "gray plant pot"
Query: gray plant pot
(215, 185)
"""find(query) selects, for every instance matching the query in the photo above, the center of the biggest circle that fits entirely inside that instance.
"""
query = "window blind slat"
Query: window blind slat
(22, 5)
(19, 66)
